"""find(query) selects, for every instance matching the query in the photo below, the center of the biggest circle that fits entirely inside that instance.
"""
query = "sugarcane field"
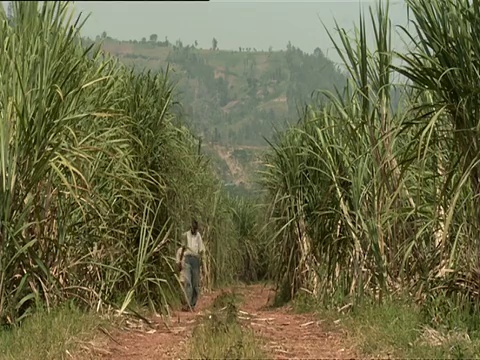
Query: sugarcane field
(247, 180)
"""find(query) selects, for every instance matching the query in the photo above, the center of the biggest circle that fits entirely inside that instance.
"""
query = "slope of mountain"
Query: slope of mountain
(234, 99)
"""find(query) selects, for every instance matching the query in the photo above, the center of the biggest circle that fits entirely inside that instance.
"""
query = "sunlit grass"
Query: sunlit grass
(65, 332)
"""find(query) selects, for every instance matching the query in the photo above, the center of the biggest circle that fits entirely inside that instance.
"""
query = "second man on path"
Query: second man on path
(192, 252)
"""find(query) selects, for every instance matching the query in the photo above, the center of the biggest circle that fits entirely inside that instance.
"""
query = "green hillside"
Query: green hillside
(234, 99)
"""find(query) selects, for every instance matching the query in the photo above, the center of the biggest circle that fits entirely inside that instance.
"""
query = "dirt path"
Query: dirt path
(234, 167)
(286, 335)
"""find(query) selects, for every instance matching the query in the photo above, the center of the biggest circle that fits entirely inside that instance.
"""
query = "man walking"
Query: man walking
(192, 252)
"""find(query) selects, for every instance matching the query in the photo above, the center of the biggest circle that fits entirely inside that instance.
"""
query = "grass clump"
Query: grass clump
(56, 335)
(226, 299)
(221, 335)
(388, 329)
(442, 326)
(400, 329)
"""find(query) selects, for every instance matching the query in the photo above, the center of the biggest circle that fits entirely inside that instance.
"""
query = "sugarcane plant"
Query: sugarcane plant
(368, 198)
(98, 178)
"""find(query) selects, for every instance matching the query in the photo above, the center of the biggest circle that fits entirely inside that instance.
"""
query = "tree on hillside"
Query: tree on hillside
(153, 37)
(9, 11)
(214, 44)
(196, 43)
(104, 35)
(144, 40)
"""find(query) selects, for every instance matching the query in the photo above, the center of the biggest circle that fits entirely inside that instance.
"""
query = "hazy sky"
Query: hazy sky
(255, 24)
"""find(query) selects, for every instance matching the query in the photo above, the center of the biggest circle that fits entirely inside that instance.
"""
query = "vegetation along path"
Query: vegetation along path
(281, 333)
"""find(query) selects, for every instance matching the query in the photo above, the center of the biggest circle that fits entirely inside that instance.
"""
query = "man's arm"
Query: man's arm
(182, 250)
(178, 255)
(184, 243)
(201, 253)
(201, 247)
(179, 259)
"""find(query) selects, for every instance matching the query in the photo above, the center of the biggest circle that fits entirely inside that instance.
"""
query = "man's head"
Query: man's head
(194, 226)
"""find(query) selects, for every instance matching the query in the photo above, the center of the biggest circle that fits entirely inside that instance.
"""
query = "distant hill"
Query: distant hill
(233, 99)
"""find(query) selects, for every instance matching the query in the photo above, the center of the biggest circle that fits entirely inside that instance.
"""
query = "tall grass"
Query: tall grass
(247, 221)
(97, 179)
(368, 201)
